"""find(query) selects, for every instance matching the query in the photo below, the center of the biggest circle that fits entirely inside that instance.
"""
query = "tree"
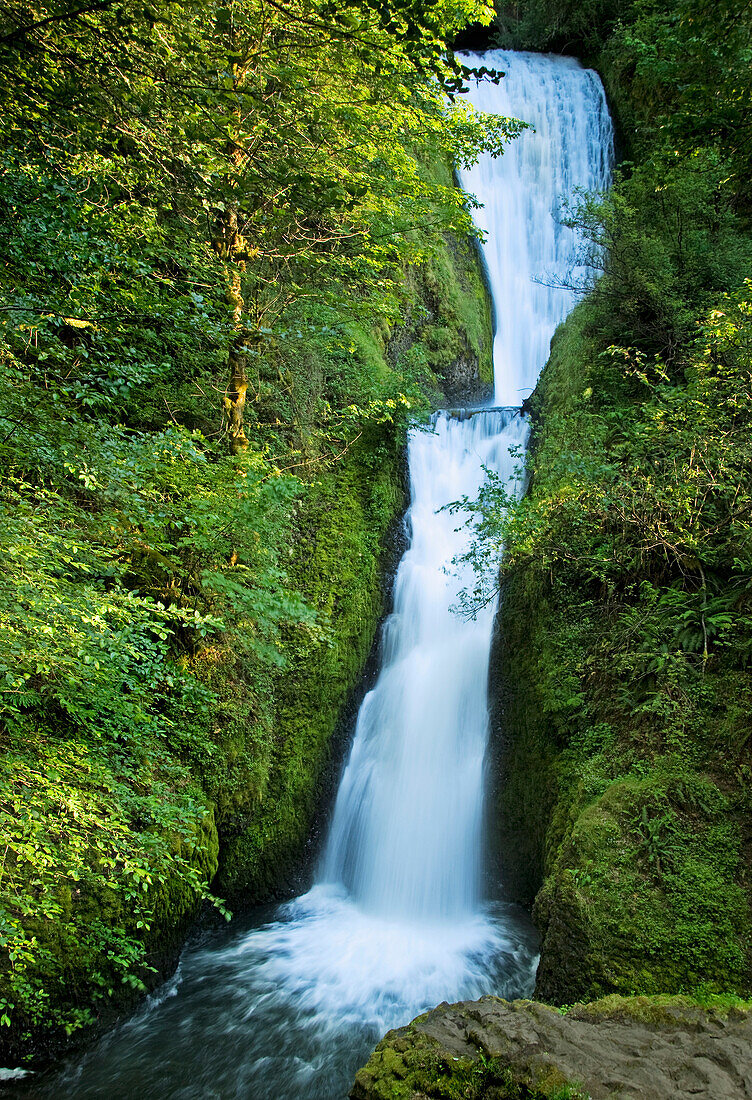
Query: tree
(288, 136)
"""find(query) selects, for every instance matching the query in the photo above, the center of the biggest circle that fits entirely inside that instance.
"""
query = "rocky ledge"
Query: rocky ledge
(630, 1048)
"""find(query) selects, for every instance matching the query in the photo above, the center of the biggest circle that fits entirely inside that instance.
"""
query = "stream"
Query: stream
(288, 1001)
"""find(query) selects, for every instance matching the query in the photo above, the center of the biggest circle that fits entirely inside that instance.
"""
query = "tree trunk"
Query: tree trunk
(229, 244)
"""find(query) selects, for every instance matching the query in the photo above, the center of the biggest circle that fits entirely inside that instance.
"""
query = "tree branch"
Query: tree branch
(20, 32)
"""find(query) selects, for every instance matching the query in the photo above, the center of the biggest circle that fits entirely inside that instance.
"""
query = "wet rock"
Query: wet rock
(630, 1048)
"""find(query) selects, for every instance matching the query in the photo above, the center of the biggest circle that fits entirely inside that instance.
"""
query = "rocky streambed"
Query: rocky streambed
(630, 1048)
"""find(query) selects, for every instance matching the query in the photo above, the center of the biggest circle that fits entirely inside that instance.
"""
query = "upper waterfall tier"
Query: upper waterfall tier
(533, 258)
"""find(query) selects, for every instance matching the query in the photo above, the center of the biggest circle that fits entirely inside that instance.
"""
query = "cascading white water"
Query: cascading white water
(397, 920)
(533, 258)
(406, 836)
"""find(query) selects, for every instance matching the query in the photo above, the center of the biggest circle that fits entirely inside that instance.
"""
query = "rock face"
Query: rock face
(630, 1048)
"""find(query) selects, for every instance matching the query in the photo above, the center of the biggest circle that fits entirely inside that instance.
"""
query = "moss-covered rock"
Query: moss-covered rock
(614, 789)
(212, 773)
(657, 1048)
(644, 895)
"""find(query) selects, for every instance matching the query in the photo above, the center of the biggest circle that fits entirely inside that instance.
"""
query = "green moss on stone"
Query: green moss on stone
(339, 568)
(615, 787)
(662, 1010)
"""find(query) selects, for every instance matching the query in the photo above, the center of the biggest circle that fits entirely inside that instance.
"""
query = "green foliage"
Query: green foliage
(189, 191)
(204, 91)
(668, 240)
(677, 71)
(628, 564)
(89, 842)
(564, 26)
(101, 605)
(660, 495)
(626, 621)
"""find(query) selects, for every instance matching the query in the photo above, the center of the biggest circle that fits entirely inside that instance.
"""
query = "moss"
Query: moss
(448, 337)
(652, 893)
(93, 960)
(174, 904)
(339, 566)
(410, 1065)
(616, 790)
(662, 1010)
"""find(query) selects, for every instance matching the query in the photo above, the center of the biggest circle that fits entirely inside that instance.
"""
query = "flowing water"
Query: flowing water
(534, 259)
(399, 918)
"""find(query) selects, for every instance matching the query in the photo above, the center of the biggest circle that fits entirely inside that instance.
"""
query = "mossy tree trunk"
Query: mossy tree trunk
(231, 247)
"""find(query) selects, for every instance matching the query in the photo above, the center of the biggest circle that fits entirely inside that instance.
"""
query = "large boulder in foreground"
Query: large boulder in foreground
(630, 1048)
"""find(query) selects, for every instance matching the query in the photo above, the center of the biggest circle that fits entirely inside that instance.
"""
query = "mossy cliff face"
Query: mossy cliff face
(621, 800)
(343, 543)
(637, 1048)
(212, 775)
(448, 336)
(450, 332)
(341, 564)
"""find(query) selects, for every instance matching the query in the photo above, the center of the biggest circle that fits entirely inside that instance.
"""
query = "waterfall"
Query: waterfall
(398, 920)
(533, 259)
(406, 835)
